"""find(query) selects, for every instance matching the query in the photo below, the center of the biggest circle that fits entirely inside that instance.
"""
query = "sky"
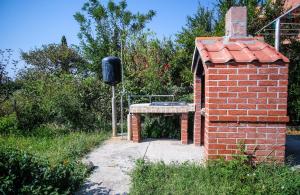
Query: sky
(27, 24)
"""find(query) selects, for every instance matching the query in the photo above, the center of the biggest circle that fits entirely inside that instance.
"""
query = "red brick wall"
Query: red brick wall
(262, 140)
(136, 127)
(246, 103)
(184, 128)
(197, 116)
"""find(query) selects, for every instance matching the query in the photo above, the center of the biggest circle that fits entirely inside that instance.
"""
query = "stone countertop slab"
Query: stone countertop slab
(147, 108)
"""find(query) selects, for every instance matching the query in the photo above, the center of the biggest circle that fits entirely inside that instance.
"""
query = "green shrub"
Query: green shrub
(50, 130)
(76, 103)
(6, 107)
(218, 177)
(8, 124)
(23, 173)
(159, 126)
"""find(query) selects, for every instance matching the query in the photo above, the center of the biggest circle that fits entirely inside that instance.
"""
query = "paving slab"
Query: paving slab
(115, 159)
(170, 151)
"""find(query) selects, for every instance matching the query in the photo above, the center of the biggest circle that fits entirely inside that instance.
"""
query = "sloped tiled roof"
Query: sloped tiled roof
(242, 50)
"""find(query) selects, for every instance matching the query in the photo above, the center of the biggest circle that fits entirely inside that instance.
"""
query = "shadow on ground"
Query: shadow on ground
(293, 149)
(92, 188)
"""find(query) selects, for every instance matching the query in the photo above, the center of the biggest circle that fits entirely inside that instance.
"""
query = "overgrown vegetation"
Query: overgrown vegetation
(24, 173)
(157, 126)
(45, 162)
(63, 83)
(64, 100)
(57, 108)
(292, 52)
(53, 145)
(217, 177)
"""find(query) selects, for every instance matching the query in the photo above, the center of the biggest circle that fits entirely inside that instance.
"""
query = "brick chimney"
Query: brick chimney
(236, 22)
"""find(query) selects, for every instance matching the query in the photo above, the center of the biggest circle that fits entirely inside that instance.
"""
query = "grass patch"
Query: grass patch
(217, 177)
(45, 163)
(69, 146)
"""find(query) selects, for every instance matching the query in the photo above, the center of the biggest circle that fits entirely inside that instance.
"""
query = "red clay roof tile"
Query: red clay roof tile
(245, 50)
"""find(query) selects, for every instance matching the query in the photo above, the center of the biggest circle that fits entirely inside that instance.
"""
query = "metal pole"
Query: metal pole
(129, 120)
(277, 34)
(113, 109)
(123, 89)
(122, 115)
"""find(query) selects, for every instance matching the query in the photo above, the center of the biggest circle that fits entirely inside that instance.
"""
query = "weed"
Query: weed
(218, 177)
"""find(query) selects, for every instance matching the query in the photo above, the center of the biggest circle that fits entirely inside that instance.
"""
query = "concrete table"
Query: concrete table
(134, 118)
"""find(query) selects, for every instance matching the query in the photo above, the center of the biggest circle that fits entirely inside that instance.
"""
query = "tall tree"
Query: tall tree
(149, 64)
(200, 24)
(7, 86)
(5, 58)
(292, 51)
(104, 29)
(55, 58)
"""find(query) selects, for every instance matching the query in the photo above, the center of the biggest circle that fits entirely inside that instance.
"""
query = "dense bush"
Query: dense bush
(8, 124)
(160, 126)
(219, 177)
(165, 126)
(64, 100)
(7, 107)
(49, 130)
(292, 52)
(23, 173)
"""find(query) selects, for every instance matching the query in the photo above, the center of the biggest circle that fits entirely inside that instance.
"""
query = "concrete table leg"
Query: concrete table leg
(136, 127)
(184, 128)
(129, 127)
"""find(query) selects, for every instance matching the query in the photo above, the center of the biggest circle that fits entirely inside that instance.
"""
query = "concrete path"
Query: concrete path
(116, 158)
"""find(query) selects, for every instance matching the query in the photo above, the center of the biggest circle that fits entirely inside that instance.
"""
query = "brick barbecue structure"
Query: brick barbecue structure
(240, 93)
